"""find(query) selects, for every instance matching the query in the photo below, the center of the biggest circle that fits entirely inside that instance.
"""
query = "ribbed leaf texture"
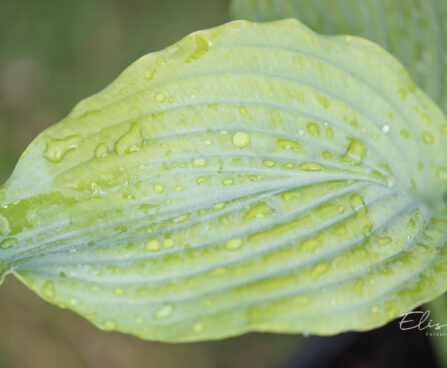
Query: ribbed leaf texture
(250, 177)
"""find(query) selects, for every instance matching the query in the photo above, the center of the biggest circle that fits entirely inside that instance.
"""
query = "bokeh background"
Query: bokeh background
(53, 54)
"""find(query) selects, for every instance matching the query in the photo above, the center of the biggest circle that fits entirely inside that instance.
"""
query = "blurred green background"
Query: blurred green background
(52, 55)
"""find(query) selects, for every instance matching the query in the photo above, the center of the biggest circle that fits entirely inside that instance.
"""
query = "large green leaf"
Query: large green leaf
(250, 177)
(415, 31)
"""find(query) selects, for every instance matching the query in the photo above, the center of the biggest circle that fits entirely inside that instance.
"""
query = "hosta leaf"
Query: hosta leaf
(250, 177)
(415, 31)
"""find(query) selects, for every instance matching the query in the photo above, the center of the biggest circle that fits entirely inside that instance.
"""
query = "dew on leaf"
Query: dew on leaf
(199, 162)
(313, 129)
(132, 141)
(233, 244)
(405, 133)
(228, 181)
(164, 311)
(287, 144)
(259, 211)
(101, 150)
(323, 101)
(118, 291)
(8, 243)
(241, 139)
(160, 97)
(4, 226)
(385, 128)
(48, 290)
(158, 188)
(56, 149)
(153, 245)
(311, 166)
(427, 137)
(357, 204)
(168, 243)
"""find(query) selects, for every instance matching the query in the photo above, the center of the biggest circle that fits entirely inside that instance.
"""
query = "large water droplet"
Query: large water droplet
(130, 142)
(48, 290)
(56, 149)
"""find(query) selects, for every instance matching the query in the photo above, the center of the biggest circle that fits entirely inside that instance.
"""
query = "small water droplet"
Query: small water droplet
(158, 188)
(427, 137)
(48, 290)
(241, 139)
(153, 245)
(199, 162)
(164, 311)
(160, 97)
(313, 129)
(119, 291)
(405, 133)
(385, 128)
(311, 166)
(357, 204)
(110, 325)
(168, 243)
(243, 110)
(323, 101)
(228, 181)
(233, 244)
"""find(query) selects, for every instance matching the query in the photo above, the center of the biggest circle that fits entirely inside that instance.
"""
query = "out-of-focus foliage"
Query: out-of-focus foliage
(415, 31)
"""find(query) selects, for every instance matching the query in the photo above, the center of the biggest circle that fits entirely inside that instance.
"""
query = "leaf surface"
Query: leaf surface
(250, 177)
(415, 31)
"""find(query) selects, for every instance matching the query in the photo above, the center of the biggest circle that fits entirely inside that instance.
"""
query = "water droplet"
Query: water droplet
(168, 243)
(228, 181)
(110, 325)
(323, 101)
(384, 241)
(8, 243)
(118, 291)
(402, 93)
(4, 226)
(164, 311)
(158, 188)
(259, 211)
(219, 205)
(241, 139)
(153, 245)
(329, 132)
(405, 133)
(150, 73)
(311, 166)
(101, 150)
(202, 48)
(130, 142)
(310, 245)
(199, 162)
(356, 149)
(327, 155)
(56, 149)
(233, 243)
(289, 145)
(427, 137)
(385, 129)
(160, 97)
(200, 180)
(243, 110)
(444, 128)
(48, 290)
(268, 163)
(313, 129)
(357, 204)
